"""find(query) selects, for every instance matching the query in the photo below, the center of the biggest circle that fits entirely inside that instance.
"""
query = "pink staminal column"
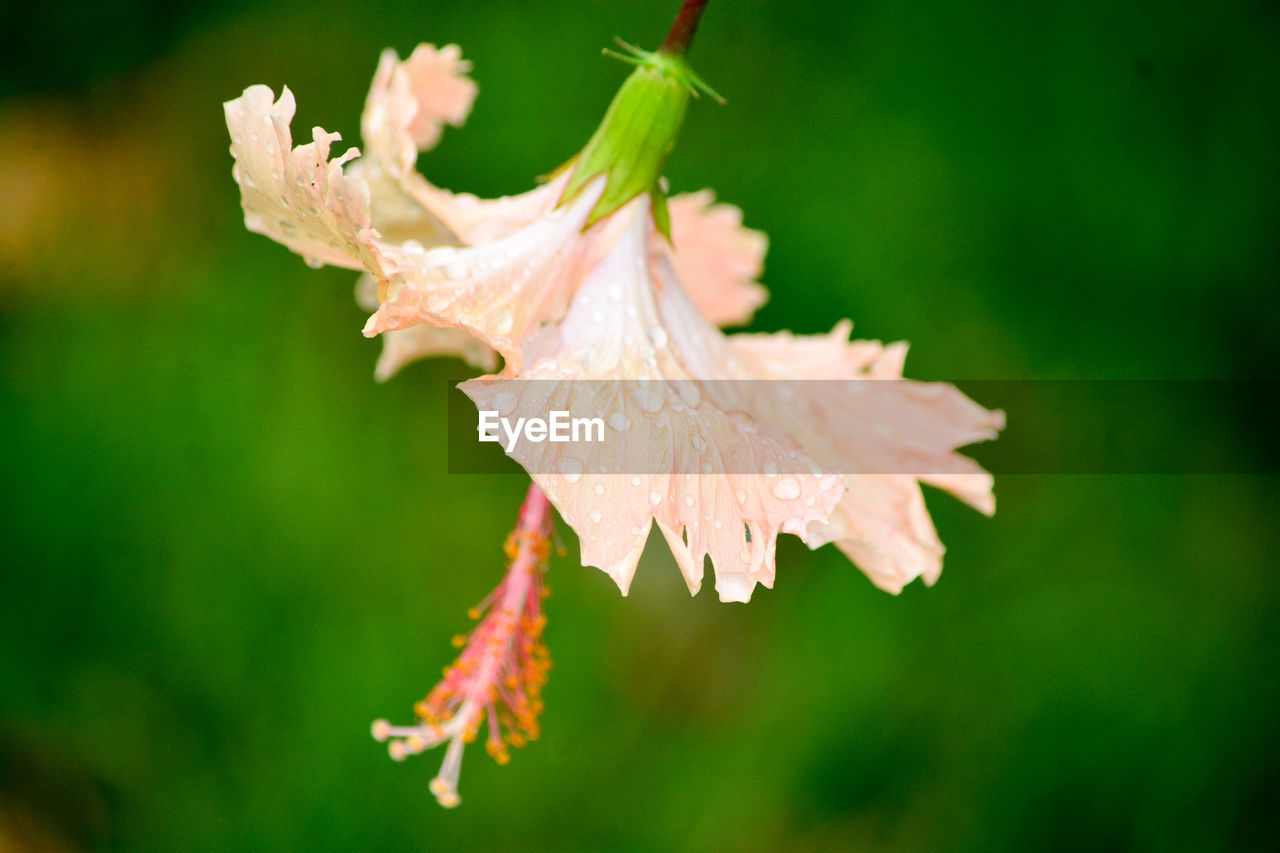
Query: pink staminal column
(498, 678)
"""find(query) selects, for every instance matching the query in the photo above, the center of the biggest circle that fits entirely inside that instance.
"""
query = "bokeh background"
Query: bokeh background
(225, 549)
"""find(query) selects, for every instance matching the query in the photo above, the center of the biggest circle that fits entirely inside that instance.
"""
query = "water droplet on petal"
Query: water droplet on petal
(595, 516)
(619, 421)
(599, 489)
(787, 489)
(655, 498)
(571, 469)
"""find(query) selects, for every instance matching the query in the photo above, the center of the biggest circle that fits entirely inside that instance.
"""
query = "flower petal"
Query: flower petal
(500, 291)
(297, 196)
(697, 466)
(898, 431)
(408, 345)
(715, 258)
(409, 103)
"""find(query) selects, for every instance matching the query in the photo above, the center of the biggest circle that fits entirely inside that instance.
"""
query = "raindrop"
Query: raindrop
(571, 469)
(787, 489)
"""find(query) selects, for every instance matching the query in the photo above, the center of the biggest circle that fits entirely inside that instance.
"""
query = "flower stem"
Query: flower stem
(684, 28)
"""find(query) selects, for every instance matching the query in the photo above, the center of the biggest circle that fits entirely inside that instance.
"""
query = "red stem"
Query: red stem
(684, 28)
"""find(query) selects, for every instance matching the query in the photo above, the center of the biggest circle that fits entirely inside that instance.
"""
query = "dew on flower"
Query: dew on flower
(786, 490)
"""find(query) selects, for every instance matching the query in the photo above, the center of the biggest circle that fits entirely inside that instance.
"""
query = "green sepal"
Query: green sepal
(639, 130)
(661, 216)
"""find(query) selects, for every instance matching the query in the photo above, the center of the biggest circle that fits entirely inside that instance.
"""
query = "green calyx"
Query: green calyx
(638, 132)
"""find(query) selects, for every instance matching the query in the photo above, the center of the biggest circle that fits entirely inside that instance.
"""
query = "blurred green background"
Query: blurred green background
(226, 550)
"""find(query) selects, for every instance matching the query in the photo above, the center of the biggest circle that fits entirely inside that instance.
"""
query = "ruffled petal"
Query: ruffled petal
(886, 434)
(501, 291)
(717, 486)
(436, 80)
(408, 345)
(882, 524)
(715, 258)
(297, 196)
(409, 103)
